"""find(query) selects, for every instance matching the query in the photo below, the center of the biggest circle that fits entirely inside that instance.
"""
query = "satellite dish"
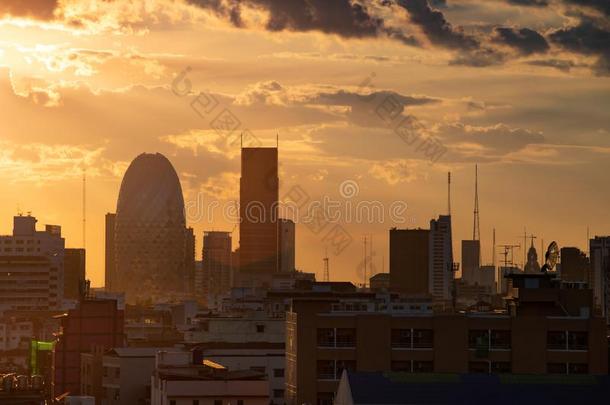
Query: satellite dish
(552, 254)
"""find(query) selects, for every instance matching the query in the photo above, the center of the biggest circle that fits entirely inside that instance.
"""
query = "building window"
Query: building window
(218, 402)
(401, 338)
(325, 398)
(326, 370)
(423, 338)
(478, 338)
(500, 367)
(578, 341)
(578, 368)
(240, 402)
(500, 339)
(260, 328)
(346, 337)
(401, 366)
(557, 368)
(478, 367)
(423, 366)
(326, 337)
(278, 393)
(344, 365)
(278, 372)
(195, 402)
(172, 402)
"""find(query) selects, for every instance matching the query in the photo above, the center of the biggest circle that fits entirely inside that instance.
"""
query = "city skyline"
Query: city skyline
(75, 97)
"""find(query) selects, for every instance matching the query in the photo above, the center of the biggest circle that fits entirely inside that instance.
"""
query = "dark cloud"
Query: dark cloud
(533, 3)
(40, 9)
(438, 30)
(600, 5)
(559, 64)
(587, 39)
(525, 40)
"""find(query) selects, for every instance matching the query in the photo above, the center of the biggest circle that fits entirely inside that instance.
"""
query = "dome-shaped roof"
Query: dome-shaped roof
(151, 189)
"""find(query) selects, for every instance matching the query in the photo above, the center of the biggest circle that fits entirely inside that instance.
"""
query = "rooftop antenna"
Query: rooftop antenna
(449, 193)
(326, 260)
(476, 230)
(277, 140)
(365, 261)
(241, 140)
(588, 241)
(524, 246)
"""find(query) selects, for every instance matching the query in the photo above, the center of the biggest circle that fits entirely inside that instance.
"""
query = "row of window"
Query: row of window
(20, 249)
(480, 339)
(20, 241)
(216, 402)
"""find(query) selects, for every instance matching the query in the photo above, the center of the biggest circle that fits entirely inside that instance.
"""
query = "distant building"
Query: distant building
(575, 265)
(74, 273)
(440, 251)
(287, 245)
(95, 323)
(236, 329)
(487, 277)
(471, 257)
(599, 249)
(153, 249)
(532, 266)
(109, 256)
(548, 330)
(258, 227)
(186, 376)
(409, 261)
(217, 266)
(31, 267)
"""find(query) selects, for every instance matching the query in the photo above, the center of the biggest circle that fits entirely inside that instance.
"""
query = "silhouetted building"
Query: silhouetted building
(532, 266)
(74, 273)
(154, 255)
(109, 256)
(287, 245)
(471, 257)
(599, 251)
(380, 282)
(94, 323)
(487, 277)
(441, 270)
(258, 228)
(217, 267)
(548, 330)
(574, 265)
(409, 261)
(31, 266)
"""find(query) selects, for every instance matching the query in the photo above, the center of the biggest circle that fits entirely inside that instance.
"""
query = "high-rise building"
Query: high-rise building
(216, 266)
(74, 273)
(258, 228)
(31, 266)
(441, 270)
(409, 258)
(574, 265)
(153, 249)
(110, 267)
(93, 323)
(471, 256)
(287, 245)
(599, 251)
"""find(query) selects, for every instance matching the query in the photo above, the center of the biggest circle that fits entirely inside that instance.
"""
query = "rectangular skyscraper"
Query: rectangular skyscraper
(74, 273)
(216, 264)
(287, 245)
(109, 254)
(409, 258)
(599, 249)
(471, 254)
(258, 229)
(441, 258)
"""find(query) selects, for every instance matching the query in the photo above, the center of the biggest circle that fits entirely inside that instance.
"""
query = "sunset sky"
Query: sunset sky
(521, 87)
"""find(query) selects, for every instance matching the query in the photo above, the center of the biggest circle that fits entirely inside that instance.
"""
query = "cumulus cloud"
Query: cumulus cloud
(39, 9)
(586, 38)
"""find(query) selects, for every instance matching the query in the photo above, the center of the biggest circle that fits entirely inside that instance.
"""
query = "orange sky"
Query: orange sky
(523, 91)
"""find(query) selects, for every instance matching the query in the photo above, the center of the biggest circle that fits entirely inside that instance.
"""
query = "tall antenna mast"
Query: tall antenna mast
(85, 208)
(449, 193)
(365, 261)
(326, 266)
(476, 230)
